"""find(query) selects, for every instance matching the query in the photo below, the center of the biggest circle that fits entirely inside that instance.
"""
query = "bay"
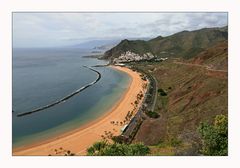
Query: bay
(42, 76)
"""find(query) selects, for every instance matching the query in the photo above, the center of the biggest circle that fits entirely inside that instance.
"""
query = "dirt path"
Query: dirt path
(202, 66)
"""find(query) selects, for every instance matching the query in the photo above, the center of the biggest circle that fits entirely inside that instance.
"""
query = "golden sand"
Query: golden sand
(77, 141)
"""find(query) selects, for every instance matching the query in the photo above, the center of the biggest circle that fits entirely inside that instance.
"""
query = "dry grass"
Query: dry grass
(194, 96)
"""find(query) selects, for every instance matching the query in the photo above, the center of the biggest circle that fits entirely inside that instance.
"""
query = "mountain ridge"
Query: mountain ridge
(184, 44)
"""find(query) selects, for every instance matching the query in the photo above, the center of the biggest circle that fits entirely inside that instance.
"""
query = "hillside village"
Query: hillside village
(129, 56)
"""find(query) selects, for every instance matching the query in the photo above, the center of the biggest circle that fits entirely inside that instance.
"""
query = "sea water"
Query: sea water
(42, 76)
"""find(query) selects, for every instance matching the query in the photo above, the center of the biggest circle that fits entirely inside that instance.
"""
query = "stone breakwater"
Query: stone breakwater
(64, 98)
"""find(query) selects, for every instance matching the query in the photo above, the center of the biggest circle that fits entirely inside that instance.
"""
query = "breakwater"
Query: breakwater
(101, 65)
(64, 98)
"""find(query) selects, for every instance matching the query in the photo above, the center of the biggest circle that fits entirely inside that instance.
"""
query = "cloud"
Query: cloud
(56, 29)
(171, 23)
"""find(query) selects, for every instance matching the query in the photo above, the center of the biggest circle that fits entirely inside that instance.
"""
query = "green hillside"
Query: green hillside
(184, 44)
(136, 46)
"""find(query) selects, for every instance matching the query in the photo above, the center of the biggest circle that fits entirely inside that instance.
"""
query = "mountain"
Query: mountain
(136, 46)
(215, 57)
(184, 44)
(95, 43)
(101, 45)
(104, 47)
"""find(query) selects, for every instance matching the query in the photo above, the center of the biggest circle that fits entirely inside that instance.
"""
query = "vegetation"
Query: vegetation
(215, 137)
(162, 92)
(62, 152)
(69, 153)
(120, 139)
(193, 87)
(152, 114)
(185, 44)
(196, 95)
(169, 147)
(175, 142)
(116, 149)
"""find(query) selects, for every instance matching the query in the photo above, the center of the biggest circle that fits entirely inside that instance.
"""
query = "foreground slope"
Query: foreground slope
(197, 91)
(194, 81)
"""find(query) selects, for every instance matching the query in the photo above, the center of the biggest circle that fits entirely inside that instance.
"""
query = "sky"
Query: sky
(65, 29)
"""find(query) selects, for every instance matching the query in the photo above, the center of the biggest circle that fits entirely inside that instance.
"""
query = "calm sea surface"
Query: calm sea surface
(42, 76)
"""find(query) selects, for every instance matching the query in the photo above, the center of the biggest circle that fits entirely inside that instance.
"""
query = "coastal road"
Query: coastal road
(137, 119)
(156, 94)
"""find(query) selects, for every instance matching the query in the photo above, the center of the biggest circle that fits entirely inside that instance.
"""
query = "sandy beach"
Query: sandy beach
(77, 141)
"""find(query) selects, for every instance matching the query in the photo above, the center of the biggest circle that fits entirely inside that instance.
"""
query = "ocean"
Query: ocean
(43, 76)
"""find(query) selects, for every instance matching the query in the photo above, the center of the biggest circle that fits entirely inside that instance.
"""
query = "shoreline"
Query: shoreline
(78, 140)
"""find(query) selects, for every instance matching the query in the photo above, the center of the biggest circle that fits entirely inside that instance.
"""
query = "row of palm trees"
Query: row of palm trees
(129, 115)
(108, 134)
(62, 152)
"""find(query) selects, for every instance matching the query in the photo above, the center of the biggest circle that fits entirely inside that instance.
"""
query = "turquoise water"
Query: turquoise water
(42, 76)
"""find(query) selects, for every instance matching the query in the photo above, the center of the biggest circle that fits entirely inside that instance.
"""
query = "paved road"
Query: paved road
(156, 94)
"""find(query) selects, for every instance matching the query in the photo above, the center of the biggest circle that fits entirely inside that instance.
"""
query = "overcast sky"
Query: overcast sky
(60, 29)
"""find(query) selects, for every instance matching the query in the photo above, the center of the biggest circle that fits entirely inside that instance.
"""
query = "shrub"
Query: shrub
(96, 148)
(215, 137)
(118, 149)
(152, 114)
(162, 92)
(119, 139)
(175, 142)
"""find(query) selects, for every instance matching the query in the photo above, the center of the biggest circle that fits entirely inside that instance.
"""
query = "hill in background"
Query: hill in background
(185, 44)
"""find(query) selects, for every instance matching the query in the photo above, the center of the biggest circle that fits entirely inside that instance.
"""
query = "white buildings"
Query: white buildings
(161, 59)
(131, 56)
